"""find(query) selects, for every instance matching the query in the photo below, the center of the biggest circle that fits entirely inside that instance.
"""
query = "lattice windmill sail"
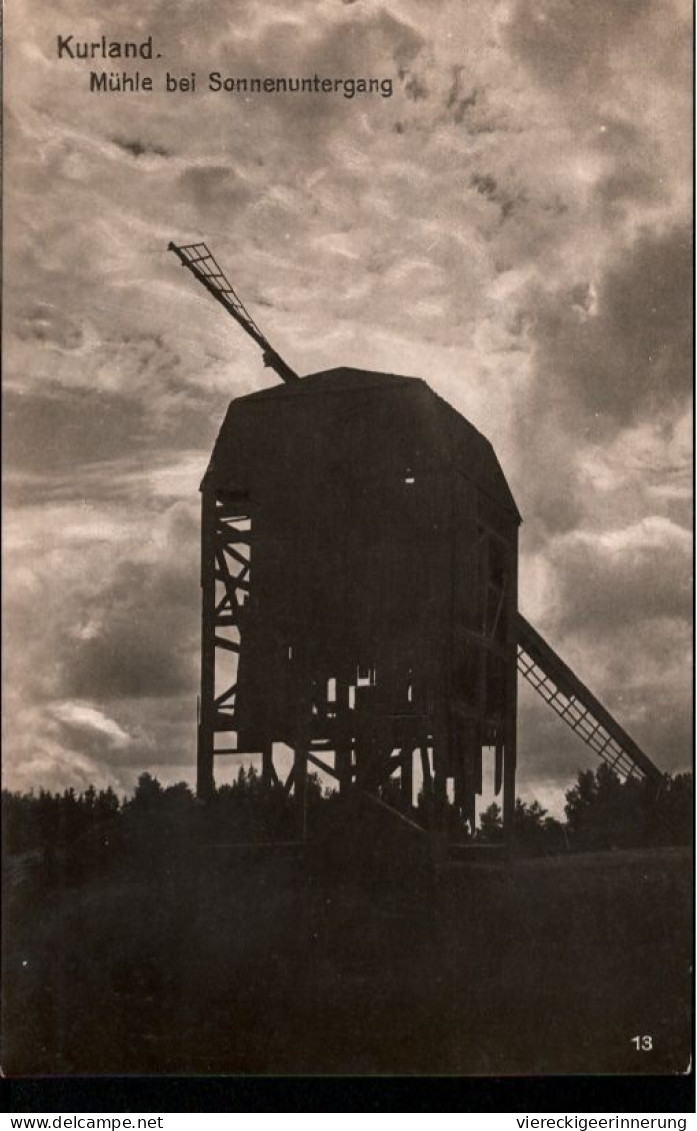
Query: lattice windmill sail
(204, 266)
(561, 688)
(360, 593)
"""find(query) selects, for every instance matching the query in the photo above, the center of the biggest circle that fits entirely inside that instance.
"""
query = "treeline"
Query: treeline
(241, 811)
(601, 812)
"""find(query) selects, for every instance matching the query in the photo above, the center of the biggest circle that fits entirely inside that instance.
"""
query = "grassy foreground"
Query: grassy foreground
(267, 960)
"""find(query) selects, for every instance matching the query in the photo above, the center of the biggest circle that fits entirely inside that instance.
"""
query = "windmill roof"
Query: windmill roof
(414, 409)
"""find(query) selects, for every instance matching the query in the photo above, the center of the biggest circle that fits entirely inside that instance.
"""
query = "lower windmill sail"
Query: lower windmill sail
(577, 706)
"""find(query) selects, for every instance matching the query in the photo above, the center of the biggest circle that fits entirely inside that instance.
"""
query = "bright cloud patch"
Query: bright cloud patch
(89, 718)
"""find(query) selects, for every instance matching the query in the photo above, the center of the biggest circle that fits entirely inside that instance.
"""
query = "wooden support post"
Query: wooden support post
(511, 695)
(406, 775)
(343, 741)
(440, 768)
(478, 768)
(427, 786)
(302, 744)
(469, 772)
(459, 775)
(267, 771)
(205, 783)
(300, 787)
(498, 764)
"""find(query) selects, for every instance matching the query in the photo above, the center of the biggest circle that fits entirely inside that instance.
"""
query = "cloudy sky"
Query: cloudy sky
(513, 225)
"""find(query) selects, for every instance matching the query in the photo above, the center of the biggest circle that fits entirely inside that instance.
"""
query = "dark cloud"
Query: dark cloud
(217, 189)
(49, 325)
(488, 187)
(60, 428)
(130, 660)
(633, 164)
(637, 575)
(139, 148)
(567, 43)
(140, 627)
(470, 105)
(414, 88)
(103, 643)
(460, 101)
(70, 432)
(106, 401)
(630, 354)
(607, 354)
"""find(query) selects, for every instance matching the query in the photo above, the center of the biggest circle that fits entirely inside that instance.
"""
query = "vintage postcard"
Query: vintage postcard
(347, 538)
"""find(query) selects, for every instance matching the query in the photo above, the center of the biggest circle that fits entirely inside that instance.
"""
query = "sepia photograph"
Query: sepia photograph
(347, 539)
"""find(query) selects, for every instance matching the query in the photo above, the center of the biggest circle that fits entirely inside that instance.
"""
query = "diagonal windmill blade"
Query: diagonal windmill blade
(561, 688)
